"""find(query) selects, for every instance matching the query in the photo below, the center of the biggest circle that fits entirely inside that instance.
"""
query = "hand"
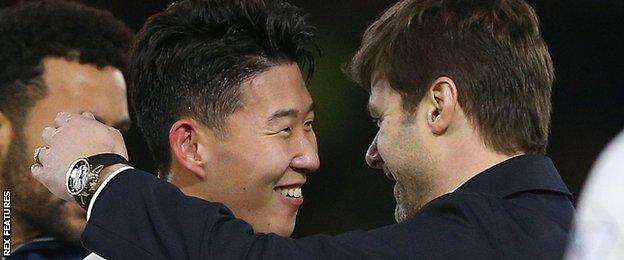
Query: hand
(73, 137)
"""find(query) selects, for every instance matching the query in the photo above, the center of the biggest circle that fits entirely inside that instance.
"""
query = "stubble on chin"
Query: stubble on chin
(31, 201)
(410, 200)
(415, 186)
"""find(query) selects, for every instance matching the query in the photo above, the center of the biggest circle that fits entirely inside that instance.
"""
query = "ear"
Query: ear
(6, 135)
(183, 140)
(442, 96)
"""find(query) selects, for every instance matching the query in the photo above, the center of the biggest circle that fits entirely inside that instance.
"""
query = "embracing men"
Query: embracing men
(460, 90)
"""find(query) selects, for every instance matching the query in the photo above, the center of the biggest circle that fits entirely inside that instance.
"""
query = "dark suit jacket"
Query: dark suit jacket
(47, 248)
(519, 209)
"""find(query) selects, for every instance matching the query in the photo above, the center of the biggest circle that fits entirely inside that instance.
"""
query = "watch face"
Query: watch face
(78, 177)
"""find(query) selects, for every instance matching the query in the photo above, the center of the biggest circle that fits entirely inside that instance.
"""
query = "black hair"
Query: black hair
(191, 59)
(32, 31)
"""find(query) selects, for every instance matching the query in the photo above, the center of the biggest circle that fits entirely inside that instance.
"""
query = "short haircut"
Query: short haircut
(33, 31)
(493, 51)
(191, 60)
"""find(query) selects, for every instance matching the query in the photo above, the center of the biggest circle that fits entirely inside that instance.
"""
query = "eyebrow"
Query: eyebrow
(287, 113)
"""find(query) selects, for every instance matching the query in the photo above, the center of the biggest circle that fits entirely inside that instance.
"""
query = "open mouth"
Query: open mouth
(290, 192)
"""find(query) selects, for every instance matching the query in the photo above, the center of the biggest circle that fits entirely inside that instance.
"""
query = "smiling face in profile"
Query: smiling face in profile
(259, 167)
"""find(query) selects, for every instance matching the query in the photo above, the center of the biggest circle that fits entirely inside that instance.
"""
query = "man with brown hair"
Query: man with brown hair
(461, 93)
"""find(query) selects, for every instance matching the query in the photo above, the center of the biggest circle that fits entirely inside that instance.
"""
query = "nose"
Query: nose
(373, 159)
(306, 158)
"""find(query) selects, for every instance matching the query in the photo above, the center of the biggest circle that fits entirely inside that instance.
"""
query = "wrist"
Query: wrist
(104, 174)
(107, 171)
(87, 174)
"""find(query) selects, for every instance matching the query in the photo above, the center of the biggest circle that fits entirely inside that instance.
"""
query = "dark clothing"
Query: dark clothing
(48, 248)
(518, 209)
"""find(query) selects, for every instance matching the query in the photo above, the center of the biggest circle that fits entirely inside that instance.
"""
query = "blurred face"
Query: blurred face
(400, 149)
(259, 169)
(71, 87)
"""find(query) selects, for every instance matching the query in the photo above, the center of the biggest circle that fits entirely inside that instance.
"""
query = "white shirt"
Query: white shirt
(599, 224)
(94, 256)
(106, 181)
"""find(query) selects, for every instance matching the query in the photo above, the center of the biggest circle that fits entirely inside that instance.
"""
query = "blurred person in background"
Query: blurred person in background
(599, 224)
(54, 56)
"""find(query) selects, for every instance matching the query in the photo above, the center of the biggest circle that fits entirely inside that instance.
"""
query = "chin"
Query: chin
(284, 232)
(283, 228)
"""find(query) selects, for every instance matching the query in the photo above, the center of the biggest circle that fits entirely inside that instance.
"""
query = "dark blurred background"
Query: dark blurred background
(585, 41)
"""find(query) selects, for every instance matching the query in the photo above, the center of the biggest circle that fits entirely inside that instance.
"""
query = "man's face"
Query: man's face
(71, 87)
(258, 170)
(400, 149)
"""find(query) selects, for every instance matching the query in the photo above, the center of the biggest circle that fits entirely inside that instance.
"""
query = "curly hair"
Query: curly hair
(191, 59)
(32, 31)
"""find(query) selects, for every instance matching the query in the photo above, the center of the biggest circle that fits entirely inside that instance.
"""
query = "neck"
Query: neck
(466, 160)
(186, 181)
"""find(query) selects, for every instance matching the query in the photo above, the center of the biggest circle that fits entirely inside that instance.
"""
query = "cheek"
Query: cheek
(273, 161)
(394, 148)
(260, 166)
(34, 127)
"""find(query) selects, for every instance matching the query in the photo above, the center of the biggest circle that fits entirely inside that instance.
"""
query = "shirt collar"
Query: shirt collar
(517, 174)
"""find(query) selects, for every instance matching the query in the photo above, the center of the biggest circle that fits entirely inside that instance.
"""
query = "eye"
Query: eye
(308, 125)
(285, 130)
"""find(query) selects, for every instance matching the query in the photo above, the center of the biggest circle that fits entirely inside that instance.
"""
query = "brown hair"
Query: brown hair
(493, 51)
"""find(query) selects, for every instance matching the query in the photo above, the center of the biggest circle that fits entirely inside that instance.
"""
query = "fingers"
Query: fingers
(88, 115)
(48, 133)
(36, 170)
(36, 155)
(41, 155)
(62, 119)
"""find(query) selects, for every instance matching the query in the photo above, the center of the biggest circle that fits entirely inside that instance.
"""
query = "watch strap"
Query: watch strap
(106, 159)
(97, 163)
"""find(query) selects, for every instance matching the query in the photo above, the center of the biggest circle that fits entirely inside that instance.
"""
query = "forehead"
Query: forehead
(281, 86)
(75, 87)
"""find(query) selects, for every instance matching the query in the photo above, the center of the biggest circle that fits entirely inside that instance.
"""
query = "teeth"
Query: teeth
(292, 192)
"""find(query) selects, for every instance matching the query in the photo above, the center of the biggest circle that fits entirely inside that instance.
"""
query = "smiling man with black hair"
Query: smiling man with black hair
(222, 103)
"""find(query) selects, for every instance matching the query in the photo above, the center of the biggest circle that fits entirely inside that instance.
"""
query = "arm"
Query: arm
(138, 215)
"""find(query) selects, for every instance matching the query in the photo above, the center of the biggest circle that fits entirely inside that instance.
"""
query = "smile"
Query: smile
(292, 192)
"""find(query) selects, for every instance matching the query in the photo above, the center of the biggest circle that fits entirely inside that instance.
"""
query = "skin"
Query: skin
(428, 152)
(71, 87)
(269, 145)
